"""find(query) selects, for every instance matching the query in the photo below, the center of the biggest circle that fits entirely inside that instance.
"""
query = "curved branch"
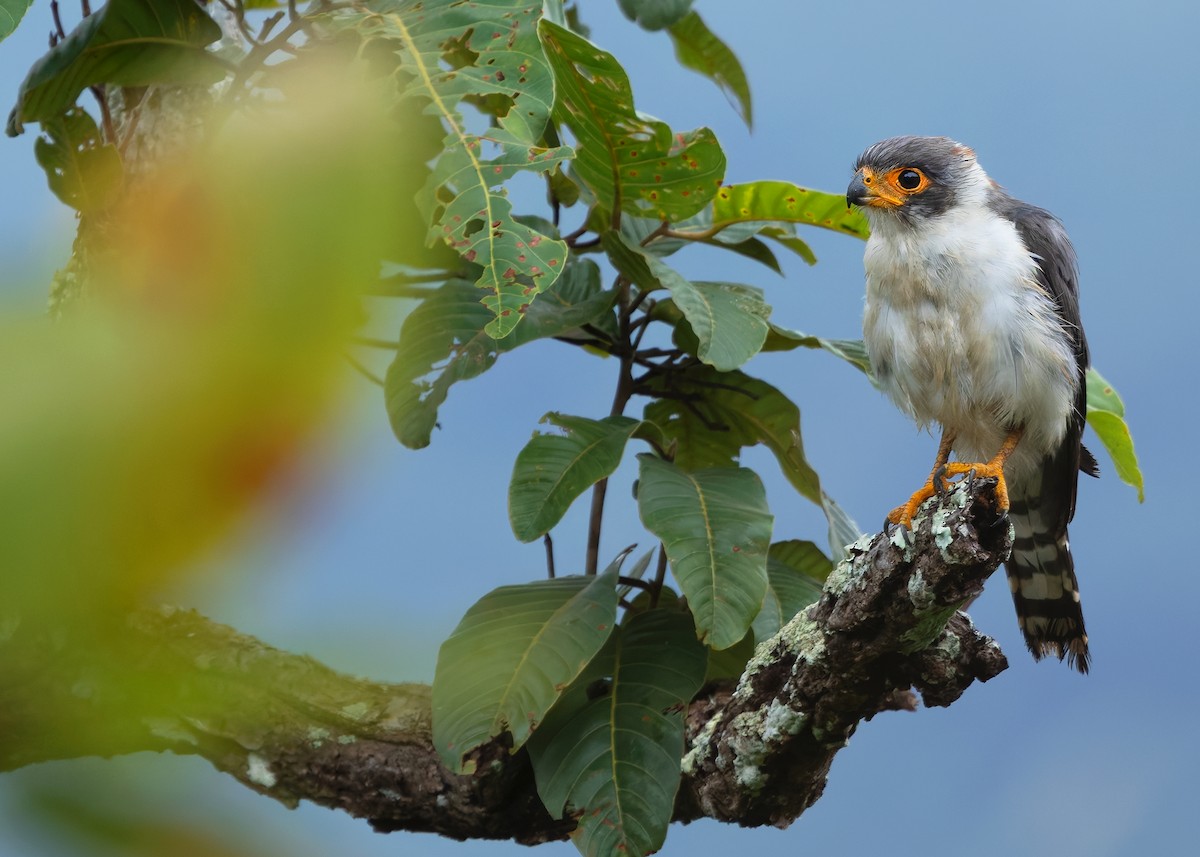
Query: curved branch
(288, 727)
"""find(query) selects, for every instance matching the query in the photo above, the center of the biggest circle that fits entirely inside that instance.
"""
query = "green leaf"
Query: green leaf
(655, 14)
(513, 654)
(610, 749)
(1106, 416)
(553, 470)
(464, 202)
(444, 340)
(82, 170)
(726, 411)
(11, 13)
(451, 52)
(716, 527)
(853, 351)
(631, 162)
(127, 43)
(698, 48)
(728, 319)
(795, 572)
(784, 202)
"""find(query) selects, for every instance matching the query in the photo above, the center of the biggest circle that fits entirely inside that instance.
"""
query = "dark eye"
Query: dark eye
(909, 179)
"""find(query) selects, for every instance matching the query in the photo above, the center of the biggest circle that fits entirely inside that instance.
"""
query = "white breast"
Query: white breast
(960, 332)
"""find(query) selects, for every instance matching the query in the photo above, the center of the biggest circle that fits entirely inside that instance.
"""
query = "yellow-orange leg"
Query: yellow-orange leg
(903, 515)
(993, 469)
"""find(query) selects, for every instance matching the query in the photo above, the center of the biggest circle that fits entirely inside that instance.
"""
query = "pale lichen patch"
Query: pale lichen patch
(347, 739)
(844, 577)
(749, 749)
(259, 772)
(700, 745)
(918, 592)
(317, 736)
(782, 720)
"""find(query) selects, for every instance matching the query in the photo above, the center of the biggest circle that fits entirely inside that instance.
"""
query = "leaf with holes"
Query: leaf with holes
(83, 171)
(610, 749)
(698, 48)
(127, 43)
(631, 162)
(716, 527)
(513, 654)
(451, 52)
(1106, 416)
(444, 341)
(553, 469)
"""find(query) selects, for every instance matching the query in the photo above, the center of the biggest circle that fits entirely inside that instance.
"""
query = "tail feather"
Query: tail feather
(1041, 574)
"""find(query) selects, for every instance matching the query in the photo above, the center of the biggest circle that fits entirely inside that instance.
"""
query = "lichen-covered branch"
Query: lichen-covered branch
(288, 727)
(886, 623)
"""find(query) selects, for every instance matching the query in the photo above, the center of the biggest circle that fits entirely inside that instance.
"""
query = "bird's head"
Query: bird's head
(913, 179)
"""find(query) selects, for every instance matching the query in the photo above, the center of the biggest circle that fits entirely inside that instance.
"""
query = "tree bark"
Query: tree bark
(885, 629)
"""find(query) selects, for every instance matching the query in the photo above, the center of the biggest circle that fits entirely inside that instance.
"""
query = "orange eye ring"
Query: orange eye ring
(907, 180)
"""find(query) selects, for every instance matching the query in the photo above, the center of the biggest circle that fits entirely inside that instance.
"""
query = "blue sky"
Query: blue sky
(1090, 110)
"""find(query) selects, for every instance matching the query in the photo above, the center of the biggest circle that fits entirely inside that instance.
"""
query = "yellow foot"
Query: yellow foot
(903, 515)
(980, 470)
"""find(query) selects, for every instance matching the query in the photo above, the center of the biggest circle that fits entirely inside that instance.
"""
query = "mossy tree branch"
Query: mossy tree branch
(288, 727)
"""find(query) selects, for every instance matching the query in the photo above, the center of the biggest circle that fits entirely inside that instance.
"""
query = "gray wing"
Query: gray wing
(1047, 241)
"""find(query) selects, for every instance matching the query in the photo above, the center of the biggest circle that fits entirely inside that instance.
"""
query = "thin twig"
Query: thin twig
(58, 33)
(571, 237)
(635, 582)
(660, 230)
(106, 120)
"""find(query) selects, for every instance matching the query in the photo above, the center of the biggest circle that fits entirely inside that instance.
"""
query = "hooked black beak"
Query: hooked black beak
(857, 193)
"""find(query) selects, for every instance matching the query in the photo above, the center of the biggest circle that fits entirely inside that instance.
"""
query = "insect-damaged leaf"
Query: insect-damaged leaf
(83, 171)
(611, 748)
(716, 527)
(444, 340)
(513, 654)
(631, 162)
(451, 52)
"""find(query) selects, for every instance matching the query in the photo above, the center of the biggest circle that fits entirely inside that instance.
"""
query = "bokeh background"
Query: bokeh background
(1088, 109)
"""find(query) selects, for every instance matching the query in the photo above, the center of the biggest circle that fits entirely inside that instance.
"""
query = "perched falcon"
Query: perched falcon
(972, 322)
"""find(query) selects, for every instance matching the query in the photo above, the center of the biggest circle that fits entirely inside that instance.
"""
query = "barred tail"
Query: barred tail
(1041, 575)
